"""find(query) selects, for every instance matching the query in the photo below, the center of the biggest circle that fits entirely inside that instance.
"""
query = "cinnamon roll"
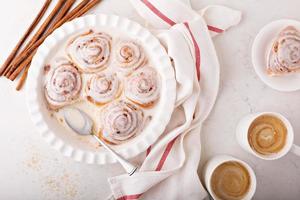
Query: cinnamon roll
(129, 56)
(284, 56)
(143, 87)
(90, 51)
(63, 84)
(120, 121)
(103, 88)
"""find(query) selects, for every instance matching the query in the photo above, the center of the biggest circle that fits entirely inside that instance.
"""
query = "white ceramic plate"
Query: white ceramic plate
(260, 49)
(84, 148)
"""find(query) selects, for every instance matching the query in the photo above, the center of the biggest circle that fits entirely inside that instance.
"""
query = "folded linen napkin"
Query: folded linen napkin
(169, 168)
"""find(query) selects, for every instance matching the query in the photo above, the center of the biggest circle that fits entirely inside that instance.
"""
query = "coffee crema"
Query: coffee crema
(230, 181)
(267, 135)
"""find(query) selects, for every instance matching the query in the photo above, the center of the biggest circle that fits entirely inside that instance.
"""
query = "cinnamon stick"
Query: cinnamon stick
(29, 51)
(47, 22)
(23, 65)
(23, 78)
(78, 11)
(65, 9)
(85, 9)
(59, 16)
(39, 32)
(14, 52)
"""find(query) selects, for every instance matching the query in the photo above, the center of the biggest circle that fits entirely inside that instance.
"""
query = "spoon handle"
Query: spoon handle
(129, 168)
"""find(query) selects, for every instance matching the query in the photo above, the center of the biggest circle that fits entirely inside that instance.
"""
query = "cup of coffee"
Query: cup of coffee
(267, 135)
(228, 178)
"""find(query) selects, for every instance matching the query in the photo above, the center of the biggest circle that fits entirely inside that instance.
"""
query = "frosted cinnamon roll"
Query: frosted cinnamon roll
(284, 56)
(129, 56)
(90, 51)
(120, 121)
(102, 88)
(143, 87)
(63, 84)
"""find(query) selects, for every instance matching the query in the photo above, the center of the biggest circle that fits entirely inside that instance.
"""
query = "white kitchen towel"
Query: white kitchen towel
(169, 170)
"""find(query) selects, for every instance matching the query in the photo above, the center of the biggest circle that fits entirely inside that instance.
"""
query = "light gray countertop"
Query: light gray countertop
(30, 169)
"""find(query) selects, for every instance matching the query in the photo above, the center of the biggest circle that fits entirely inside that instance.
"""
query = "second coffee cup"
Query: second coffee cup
(267, 135)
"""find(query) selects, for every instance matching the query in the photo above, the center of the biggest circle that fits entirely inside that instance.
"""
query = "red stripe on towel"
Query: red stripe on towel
(165, 155)
(130, 197)
(197, 50)
(158, 168)
(158, 13)
(148, 151)
(170, 21)
(215, 29)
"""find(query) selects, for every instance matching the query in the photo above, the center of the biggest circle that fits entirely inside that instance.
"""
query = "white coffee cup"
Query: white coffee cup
(216, 161)
(242, 136)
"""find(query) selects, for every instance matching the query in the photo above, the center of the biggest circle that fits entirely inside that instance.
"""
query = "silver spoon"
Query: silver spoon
(82, 124)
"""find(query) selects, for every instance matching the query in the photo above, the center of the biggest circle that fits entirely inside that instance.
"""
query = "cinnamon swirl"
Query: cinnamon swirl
(90, 51)
(120, 120)
(63, 84)
(284, 56)
(129, 56)
(143, 87)
(103, 88)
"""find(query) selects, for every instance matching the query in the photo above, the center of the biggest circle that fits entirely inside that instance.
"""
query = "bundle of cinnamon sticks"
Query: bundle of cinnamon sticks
(19, 60)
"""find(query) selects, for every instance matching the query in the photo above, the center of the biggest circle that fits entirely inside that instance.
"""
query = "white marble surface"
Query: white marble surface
(29, 169)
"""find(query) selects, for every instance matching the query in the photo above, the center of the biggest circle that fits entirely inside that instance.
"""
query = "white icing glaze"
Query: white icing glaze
(63, 84)
(90, 51)
(143, 86)
(284, 56)
(94, 109)
(103, 88)
(129, 56)
(120, 120)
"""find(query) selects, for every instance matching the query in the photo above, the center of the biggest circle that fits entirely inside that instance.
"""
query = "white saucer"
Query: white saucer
(260, 49)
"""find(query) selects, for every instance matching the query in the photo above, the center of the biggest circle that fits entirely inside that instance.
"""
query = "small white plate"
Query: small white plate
(83, 148)
(260, 50)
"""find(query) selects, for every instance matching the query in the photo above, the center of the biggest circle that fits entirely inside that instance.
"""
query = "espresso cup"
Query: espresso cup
(242, 136)
(228, 180)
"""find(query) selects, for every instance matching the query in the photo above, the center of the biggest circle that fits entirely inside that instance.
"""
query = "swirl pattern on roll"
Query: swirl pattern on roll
(120, 120)
(284, 56)
(63, 84)
(90, 51)
(129, 56)
(103, 88)
(143, 87)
